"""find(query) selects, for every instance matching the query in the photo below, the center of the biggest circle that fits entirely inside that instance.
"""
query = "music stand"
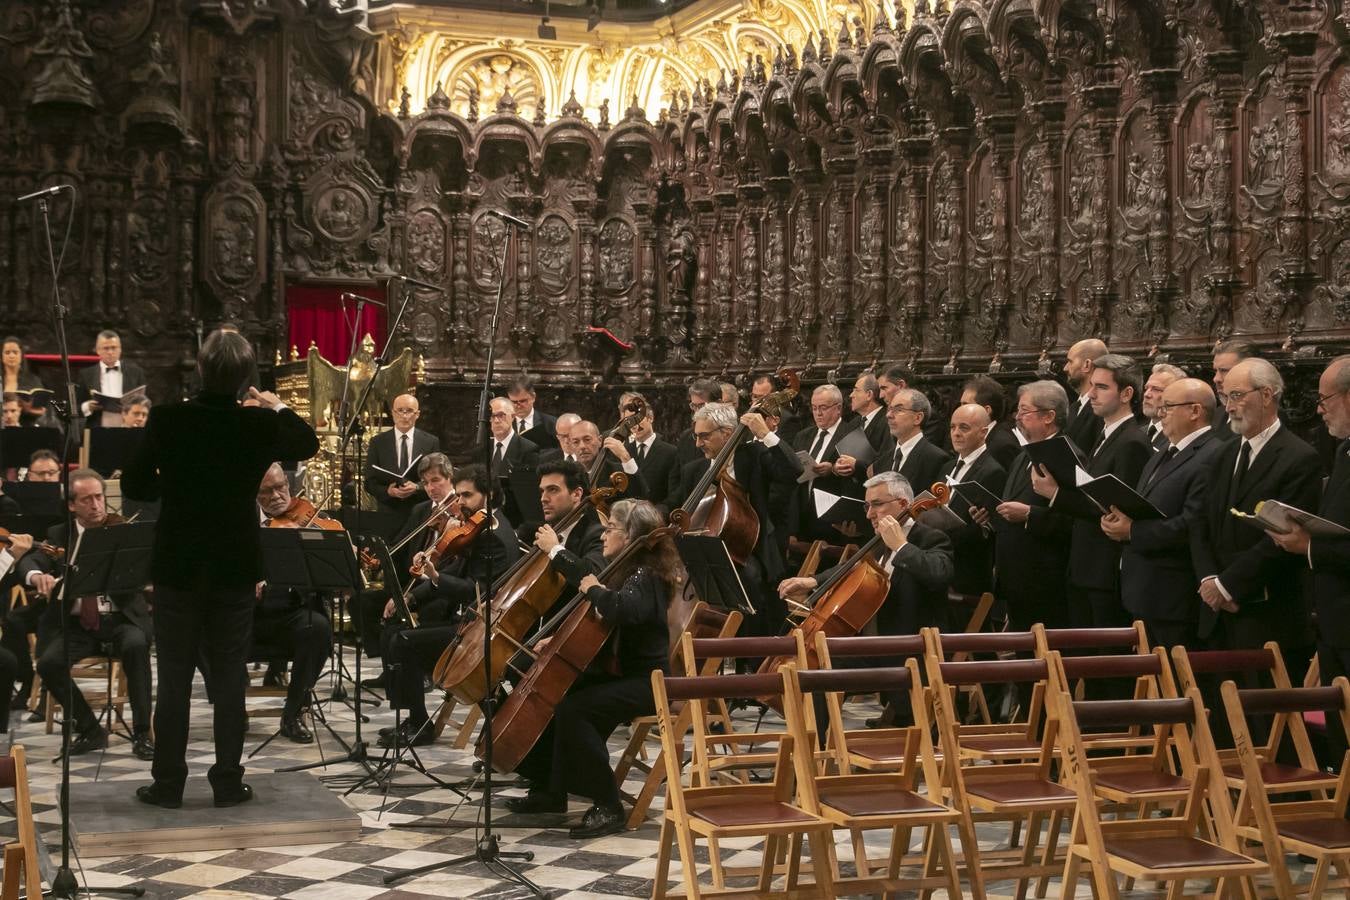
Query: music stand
(713, 572)
(17, 445)
(110, 449)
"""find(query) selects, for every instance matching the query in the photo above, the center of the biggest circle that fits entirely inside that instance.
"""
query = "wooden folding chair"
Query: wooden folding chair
(998, 777)
(704, 622)
(1166, 849)
(859, 802)
(986, 739)
(872, 749)
(1091, 642)
(1192, 666)
(21, 859)
(1315, 828)
(112, 696)
(717, 812)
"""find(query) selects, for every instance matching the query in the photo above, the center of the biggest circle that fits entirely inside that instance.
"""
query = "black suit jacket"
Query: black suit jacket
(89, 380)
(1157, 578)
(637, 484)
(204, 459)
(972, 545)
(1223, 431)
(521, 453)
(921, 574)
(1003, 444)
(1261, 578)
(1083, 427)
(878, 432)
(923, 465)
(382, 451)
(1330, 557)
(658, 468)
(803, 516)
(131, 604)
(1031, 559)
(544, 433)
(1094, 559)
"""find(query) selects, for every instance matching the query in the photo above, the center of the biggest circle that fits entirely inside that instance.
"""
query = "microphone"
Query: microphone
(510, 219)
(358, 298)
(45, 192)
(415, 282)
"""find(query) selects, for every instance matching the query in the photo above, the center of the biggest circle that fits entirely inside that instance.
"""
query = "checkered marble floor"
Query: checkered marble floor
(622, 865)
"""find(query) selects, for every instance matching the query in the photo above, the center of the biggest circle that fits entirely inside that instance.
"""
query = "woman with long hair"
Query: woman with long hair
(18, 377)
(572, 755)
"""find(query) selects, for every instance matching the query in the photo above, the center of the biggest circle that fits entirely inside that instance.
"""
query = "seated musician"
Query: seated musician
(136, 412)
(11, 652)
(561, 488)
(43, 465)
(121, 621)
(284, 619)
(571, 756)
(587, 444)
(411, 653)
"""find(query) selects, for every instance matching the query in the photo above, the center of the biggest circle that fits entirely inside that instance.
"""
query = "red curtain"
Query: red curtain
(318, 313)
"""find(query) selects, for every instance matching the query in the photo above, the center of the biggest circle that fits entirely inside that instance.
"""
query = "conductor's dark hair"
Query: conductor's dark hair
(574, 476)
(225, 363)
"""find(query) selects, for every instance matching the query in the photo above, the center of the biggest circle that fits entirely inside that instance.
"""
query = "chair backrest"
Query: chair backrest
(704, 623)
(789, 645)
(1132, 638)
(944, 645)
(871, 646)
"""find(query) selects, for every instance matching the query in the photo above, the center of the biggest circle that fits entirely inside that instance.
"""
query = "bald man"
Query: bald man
(973, 544)
(1157, 577)
(563, 430)
(587, 444)
(1083, 427)
(391, 458)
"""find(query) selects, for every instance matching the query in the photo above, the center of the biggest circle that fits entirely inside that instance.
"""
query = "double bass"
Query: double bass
(843, 604)
(634, 411)
(520, 598)
(577, 637)
(727, 511)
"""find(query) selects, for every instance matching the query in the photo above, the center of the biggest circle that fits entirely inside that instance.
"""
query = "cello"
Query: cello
(520, 599)
(578, 636)
(843, 604)
(727, 512)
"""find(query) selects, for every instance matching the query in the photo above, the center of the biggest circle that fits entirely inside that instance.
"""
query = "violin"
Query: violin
(302, 513)
(454, 540)
(41, 546)
(843, 604)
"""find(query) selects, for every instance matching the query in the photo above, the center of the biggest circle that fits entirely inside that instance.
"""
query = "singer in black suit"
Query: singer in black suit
(535, 425)
(921, 461)
(865, 401)
(1158, 583)
(203, 460)
(973, 544)
(656, 461)
(111, 375)
(1082, 427)
(394, 451)
(835, 473)
(1250, 587)
(1000, 440)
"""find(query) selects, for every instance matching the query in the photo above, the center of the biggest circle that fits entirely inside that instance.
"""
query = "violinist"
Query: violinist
(757, 465)
(572, 756)
(120, 620)
(285, 619)
(14, 652)
(410, 653)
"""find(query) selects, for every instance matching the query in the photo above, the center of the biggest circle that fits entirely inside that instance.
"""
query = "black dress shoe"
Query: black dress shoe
(409, 735)
(234, 796)
(537, 802)
(378, 683)
(89, 741)
(598, 822)
(295, 731)
(157, 795)
(142, 747)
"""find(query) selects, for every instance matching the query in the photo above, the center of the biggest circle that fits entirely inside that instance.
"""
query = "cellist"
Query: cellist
(918, 559)
(410, 653)
(572, 756)
(756, 465)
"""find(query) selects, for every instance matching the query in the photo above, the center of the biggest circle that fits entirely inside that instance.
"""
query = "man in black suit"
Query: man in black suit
(1083, 427)
(562, 451)
(207, 556)
(701, 391)
(1121, 450)
(1329, 557)
(898, 377)
(1157, 578)
(507, 451)
(756, 465)
(972, 544)
(392, 453)
(440, 598)
(655, 457)
(789, 422)
(865, 400)
(1002, 443)
(111, 375)
(561, 487)
(290, 622)
(586, 444)
(122, 620)
(534, 425)
(1250, 587)
(1162, 375)
(909, 450)
(1227, 354)
(833, 473)
(1031, 540)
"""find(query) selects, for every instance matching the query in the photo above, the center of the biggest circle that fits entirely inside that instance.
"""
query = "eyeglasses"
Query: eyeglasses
(1023, 413)
(704, 435)
(878, 504)
(1323, 398)
(1167, 406)
(615, 529)
(1236, 396)
(825, 408)
(500, 415)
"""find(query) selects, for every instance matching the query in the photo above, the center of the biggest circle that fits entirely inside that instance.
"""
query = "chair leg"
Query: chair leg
(766, 863)
(1029, 852)
(665, 844)
(688, 862)
(719, 877)
(1319, 880)
(822, 860)
(655, 778)
(970, 852)
(1056, 821)
(1072, 865)
(860, 853)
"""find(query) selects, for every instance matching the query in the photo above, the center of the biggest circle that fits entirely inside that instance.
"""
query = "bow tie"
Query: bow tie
(111, 368)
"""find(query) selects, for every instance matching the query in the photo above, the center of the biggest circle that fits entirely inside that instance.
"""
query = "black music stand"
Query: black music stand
(17, 445)
(713, 572)
(110, 449)
(310, 560)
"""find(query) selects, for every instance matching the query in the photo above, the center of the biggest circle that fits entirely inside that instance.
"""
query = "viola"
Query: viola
(455, 539)
(844, 603)
(302, 513)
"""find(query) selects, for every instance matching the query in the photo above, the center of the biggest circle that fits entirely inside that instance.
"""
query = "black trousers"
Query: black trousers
(129, 644)
(9, 670)
(219, 622)
(409, 654)
(306, 638)
(1169, 634)
(1334, 662)
(572, 755)
(14, 641)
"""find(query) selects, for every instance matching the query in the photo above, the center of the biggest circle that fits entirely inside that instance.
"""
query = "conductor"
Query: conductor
(203, 459)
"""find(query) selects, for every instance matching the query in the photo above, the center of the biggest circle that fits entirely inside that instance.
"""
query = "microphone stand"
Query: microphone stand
(64, 883)
(488, 851)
